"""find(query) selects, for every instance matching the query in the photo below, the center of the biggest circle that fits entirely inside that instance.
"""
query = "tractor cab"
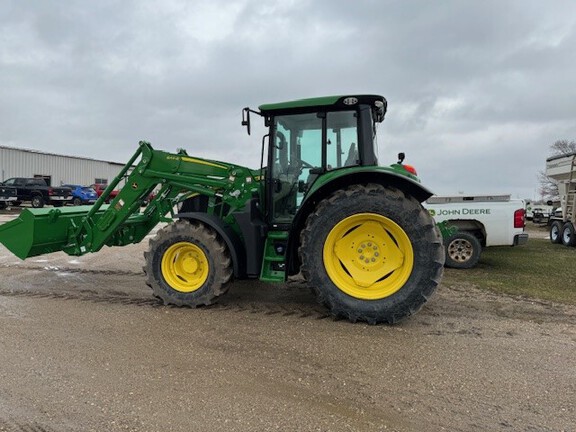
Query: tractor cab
(312, 137)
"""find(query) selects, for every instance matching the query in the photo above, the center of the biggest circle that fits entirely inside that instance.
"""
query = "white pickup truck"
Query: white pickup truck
(475, 222)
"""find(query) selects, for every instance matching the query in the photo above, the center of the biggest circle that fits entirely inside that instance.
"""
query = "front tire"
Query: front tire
(371, 254)
(188, 265)
(463, 250)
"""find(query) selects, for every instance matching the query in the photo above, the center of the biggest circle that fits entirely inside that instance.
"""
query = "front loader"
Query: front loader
(319, 206)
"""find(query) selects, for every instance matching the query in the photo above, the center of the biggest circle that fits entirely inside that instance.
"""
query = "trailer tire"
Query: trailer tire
(37, 201)
(371, 253)
(568, 235)
(187, 264)
(556, 232)
(463, 250)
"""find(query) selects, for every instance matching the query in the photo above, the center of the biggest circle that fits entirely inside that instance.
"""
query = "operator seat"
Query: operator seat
(352, 158)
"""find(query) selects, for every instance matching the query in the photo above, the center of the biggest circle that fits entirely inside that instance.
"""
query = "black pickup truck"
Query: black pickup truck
(7, 196)
(37, 192)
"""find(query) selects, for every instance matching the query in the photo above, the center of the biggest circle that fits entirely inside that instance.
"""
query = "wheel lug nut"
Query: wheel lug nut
(361, 257)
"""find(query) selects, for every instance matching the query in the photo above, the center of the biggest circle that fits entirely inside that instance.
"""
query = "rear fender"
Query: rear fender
(232, 240)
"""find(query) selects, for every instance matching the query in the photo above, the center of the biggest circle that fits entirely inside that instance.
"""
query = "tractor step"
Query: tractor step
(274, 262)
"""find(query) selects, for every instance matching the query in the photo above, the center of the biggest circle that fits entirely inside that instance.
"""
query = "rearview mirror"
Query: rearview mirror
(246, 119)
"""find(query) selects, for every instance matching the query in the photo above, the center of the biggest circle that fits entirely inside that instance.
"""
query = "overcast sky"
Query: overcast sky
(477, 90)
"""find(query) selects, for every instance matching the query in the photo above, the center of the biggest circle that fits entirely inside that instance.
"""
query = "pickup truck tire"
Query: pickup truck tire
(371, 253)
(187, 264)
(556, 232)
(37, 201)
(463, 250)
(568, 235)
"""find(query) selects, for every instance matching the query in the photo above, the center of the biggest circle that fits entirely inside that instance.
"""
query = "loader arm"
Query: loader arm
(84, 229)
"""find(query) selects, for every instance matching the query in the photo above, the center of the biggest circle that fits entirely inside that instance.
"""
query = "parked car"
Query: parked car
(100, 188)
(82, 194)
(37, 192)
(478, 221)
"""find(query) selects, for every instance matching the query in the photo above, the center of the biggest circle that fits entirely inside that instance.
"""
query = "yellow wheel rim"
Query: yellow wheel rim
(368, 256)
(185, 267)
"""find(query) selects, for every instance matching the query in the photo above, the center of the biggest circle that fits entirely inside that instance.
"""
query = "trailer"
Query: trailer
(562, 169)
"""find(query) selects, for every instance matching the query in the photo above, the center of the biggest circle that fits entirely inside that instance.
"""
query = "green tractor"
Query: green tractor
(319, 206)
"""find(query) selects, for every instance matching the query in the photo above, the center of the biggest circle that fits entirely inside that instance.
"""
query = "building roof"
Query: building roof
(59, 155)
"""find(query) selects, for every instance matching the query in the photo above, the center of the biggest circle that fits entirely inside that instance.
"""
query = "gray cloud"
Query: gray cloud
(477, 90)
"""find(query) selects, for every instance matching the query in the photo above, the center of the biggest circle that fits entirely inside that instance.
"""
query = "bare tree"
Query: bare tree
(563, 147)
(548, 187)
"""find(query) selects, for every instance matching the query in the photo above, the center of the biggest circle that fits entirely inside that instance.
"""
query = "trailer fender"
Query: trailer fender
(232, 240)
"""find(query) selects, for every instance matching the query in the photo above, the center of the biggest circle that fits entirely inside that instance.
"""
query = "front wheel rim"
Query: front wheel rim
(185, 266)
(368, 256)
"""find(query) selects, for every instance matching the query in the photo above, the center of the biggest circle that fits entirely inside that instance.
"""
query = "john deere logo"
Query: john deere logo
(432, 212)
(350, 101)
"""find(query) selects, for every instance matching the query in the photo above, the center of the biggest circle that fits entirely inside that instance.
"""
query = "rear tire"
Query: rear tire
(77, 201)
(556, 232)
(188, 265)
(568, 235)
(463, 250)
(371, 253)
(37, 201)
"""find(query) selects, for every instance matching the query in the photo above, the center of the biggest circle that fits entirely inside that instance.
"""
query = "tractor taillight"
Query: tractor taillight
(410, 169)
(519, 218)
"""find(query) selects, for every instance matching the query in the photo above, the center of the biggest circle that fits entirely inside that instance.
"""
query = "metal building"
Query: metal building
(56, 169)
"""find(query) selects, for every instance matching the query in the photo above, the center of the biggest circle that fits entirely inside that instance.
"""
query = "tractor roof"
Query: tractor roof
(337, 102)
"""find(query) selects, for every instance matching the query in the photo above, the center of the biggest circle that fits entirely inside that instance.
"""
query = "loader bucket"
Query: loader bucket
(41, 231)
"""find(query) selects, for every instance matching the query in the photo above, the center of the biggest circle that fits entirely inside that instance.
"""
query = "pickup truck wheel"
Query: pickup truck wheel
(37, 201)
(463, 250)
(371, 253)
(568, 235)
(188, 265)
(555, 232)
(77, 201)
